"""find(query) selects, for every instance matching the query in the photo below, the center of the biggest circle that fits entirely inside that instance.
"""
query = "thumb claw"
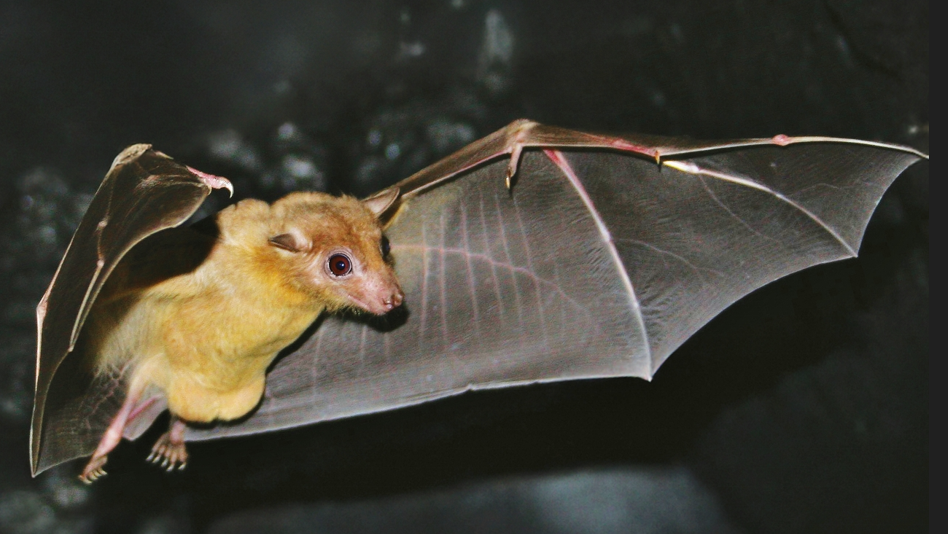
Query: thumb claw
(515, 152)
(214, 182)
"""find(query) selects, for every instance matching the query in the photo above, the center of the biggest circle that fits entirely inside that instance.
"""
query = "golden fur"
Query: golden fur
(201, 317)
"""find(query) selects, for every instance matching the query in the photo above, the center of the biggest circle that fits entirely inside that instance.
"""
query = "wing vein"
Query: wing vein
(509, 262)
(557, 158)
(443, 289)
(694, 268)
(493, 268)
(512, 269)
(691, 168)
(470, 271)
(535, 277)
(724, 207)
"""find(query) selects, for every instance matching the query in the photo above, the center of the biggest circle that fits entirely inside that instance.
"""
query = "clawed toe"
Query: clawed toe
(93, 471)
(157, 454)
(168, 454)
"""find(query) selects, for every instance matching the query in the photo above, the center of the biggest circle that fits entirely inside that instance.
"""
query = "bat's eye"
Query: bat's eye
(385, 247)
(340, 265)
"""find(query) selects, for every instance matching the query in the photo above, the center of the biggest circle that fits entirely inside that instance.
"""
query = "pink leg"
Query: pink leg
(169, 449)
(111, 438)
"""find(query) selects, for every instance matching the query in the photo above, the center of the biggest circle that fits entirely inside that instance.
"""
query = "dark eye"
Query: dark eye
(385, 247)
(340, 265)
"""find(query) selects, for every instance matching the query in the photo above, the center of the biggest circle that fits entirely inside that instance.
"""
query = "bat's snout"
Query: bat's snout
(386, 299)
(394, 300)
(380, 297)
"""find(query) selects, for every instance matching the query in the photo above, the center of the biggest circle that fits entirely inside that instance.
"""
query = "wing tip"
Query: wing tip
(34, 446)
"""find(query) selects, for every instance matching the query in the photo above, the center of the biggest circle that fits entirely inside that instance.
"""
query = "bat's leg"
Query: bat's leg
(169, 449)
(113, 435)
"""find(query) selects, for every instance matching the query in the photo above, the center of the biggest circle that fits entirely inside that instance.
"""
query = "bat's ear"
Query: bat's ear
(288, 242)
(381, 201)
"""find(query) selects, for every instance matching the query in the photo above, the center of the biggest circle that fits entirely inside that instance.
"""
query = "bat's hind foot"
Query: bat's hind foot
(93, 469)
(169, 453)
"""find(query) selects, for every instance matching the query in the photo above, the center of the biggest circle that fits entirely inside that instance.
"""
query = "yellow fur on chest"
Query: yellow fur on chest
(203, 338)
(214, 353)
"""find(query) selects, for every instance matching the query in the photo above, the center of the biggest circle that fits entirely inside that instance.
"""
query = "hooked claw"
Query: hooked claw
(168, 453)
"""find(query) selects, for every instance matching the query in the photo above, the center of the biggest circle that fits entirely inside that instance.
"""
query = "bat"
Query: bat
(535, 254)
(196, 317)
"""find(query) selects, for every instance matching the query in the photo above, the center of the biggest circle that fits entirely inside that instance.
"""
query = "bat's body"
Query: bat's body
(605, 256)
(204, 337)
(196, 319)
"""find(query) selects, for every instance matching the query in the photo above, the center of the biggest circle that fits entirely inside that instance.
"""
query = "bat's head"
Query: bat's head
(333, 248)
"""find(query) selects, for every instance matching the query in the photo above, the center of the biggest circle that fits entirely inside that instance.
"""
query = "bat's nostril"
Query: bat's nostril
(390, 301)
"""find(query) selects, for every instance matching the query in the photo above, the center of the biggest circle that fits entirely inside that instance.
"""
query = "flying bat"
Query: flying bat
(535, 254)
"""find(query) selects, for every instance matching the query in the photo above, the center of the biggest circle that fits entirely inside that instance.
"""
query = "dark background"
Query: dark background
(803, 408)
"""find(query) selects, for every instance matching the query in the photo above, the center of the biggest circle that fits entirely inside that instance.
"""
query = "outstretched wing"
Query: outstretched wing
(599, 262)
(144, 192)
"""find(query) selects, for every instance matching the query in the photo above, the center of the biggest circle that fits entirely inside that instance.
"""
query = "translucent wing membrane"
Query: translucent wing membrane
(604, 257)
(597, 264)
(144, 192)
